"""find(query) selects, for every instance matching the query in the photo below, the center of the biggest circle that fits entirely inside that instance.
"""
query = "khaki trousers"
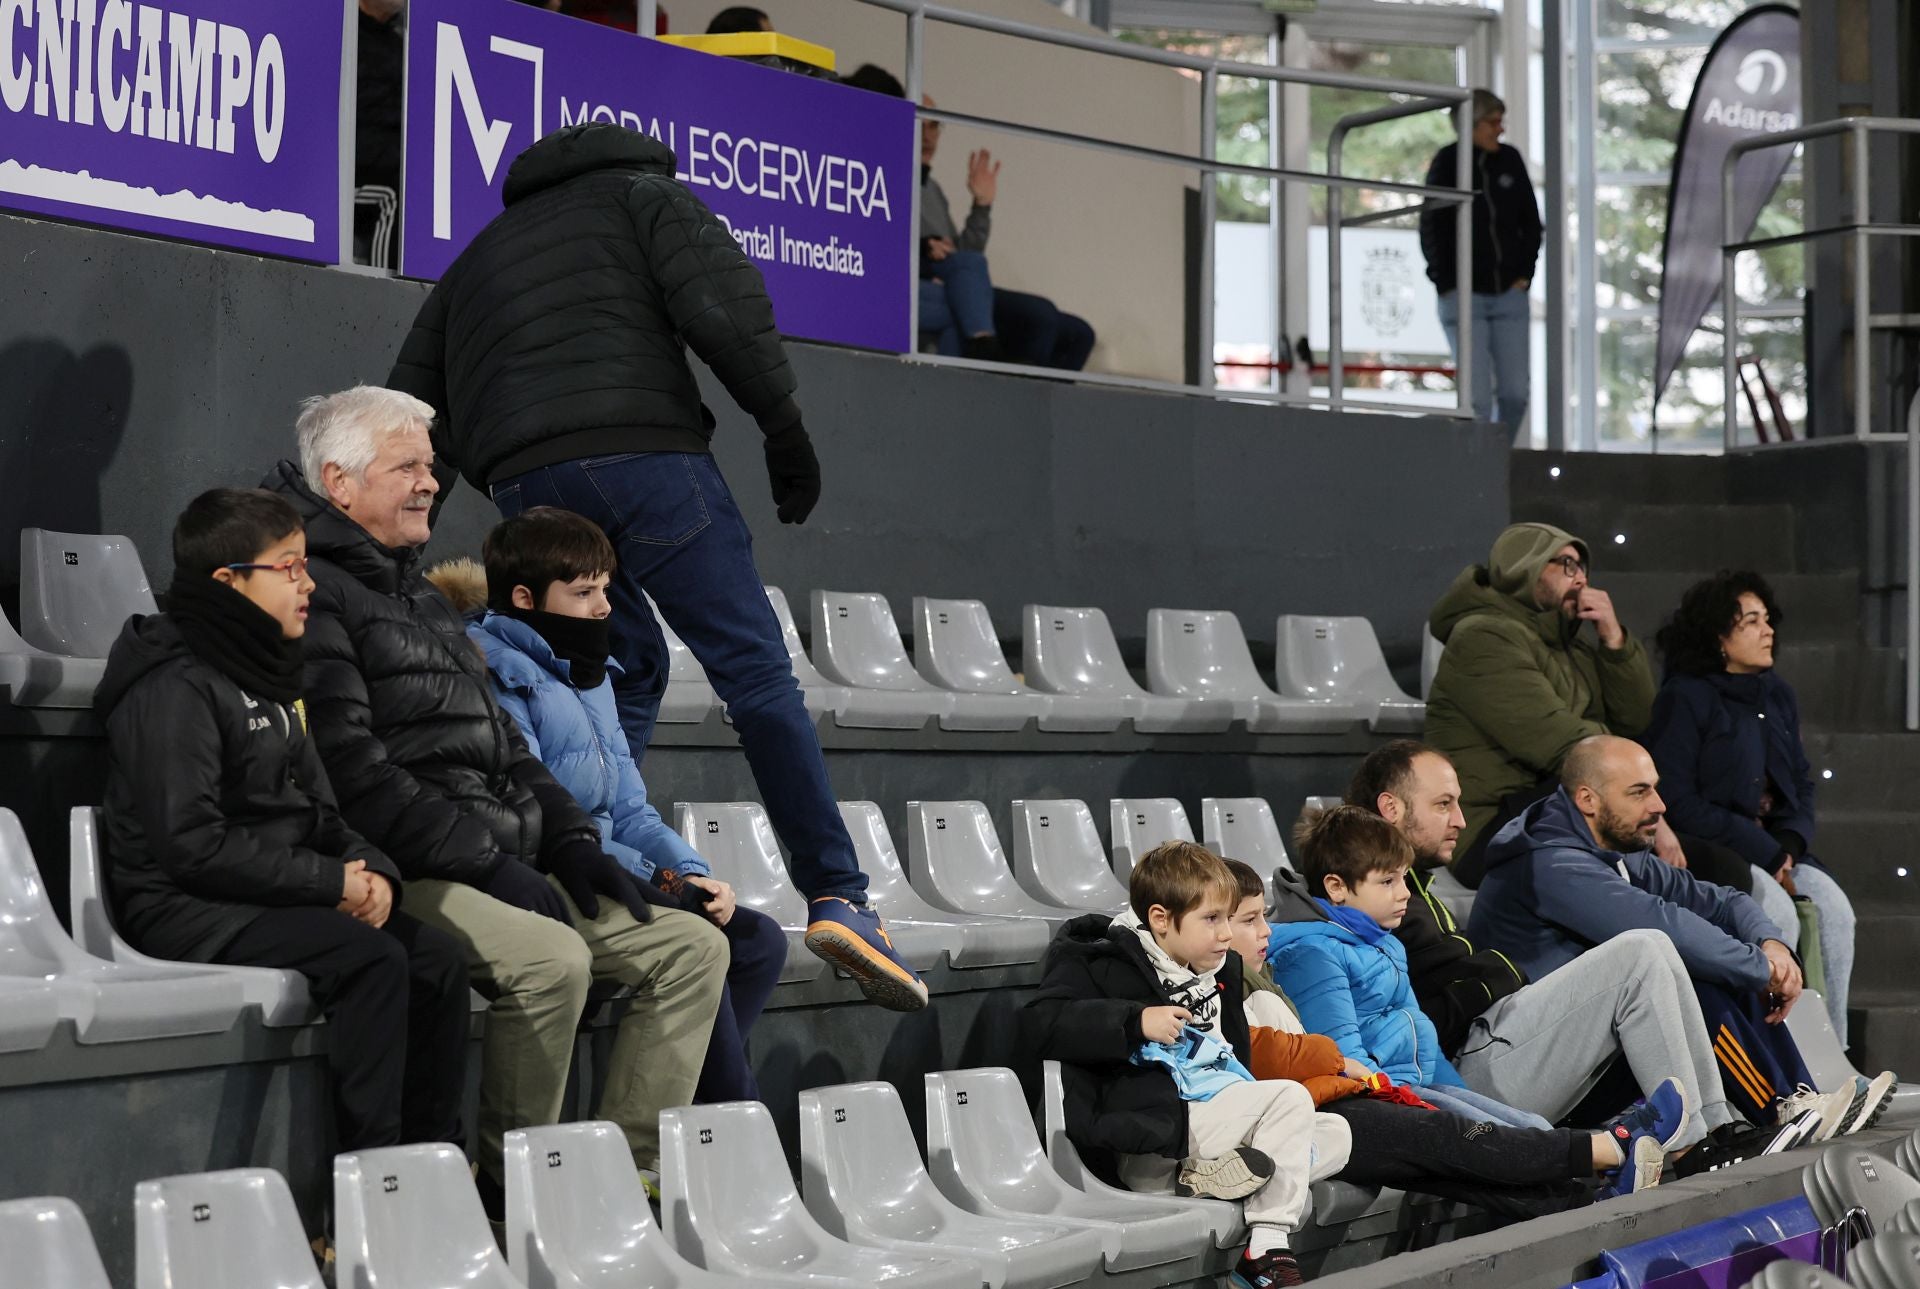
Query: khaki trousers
(537, 972)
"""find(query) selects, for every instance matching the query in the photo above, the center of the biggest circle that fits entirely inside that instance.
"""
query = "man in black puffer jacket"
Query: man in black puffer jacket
(495, 852)
(553, 353)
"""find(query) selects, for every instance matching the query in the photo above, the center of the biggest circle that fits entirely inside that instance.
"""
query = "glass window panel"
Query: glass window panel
(1640, 101)
(1398, 151)
(1695, 20)
(1690, 414)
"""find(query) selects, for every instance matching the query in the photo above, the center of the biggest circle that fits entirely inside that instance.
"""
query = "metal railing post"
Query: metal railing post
(1862, 288)
(1729, 315)
(1463, 260)
(649, 18)
(915, 69)
(1209, 216)
(1913, 562)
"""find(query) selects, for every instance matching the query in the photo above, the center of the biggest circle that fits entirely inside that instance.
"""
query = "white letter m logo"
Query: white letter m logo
(451, 75)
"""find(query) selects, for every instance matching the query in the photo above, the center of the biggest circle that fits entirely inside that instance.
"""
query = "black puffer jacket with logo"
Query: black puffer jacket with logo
(424, 761)
(1506, 221)
(216, 805)
(561, 331)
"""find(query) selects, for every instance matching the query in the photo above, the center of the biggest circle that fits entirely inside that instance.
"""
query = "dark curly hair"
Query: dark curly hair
(1690, 641)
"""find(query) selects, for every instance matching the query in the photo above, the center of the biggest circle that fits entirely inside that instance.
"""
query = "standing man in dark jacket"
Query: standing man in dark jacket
(223, 840)
(553, 353)
(495, 852)
(1506, 244)
(1541, 1046)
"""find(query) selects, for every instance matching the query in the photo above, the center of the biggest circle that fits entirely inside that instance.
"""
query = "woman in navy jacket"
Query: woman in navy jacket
(1726, 738)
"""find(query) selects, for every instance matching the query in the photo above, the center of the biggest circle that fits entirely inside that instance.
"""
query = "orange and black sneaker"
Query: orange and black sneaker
(853, 938)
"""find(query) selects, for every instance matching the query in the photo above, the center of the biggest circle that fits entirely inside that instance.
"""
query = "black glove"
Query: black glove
(677, 892)
(794, 472)
(585, 872)
(521, 886)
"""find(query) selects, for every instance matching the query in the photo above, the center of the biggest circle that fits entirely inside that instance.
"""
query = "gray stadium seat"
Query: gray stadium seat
(36, 678)
(984, 941)
(1338, 660)
(737, 842)
(1906, 1153)
(1244, 828)
(1890, 1260)
(730, 1205)
(1072, 651)
(1223, 1217)
(578, 1217)
(955, 647)
(859, 646)
(48, 1245)
(984, 1153)
(1812, 1031)
(859, 708)
(1788, 1274)
(1196, 654)
(1058, 858)
(1847, 1176)
(29, 1013)
(741, 842)
(955, 862)
(407, 1217)
(1138, 824)
(1430, 650)
(1908, 1218)
(107, 1002)
(1459, 899)
(864, 1182)
(282, 996)
(1321, 803)
(821, 696)
(689, 695)
(236, 1229)
(78, 589)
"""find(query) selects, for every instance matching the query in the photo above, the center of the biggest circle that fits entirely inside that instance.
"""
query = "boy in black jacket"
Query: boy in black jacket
(223, 841)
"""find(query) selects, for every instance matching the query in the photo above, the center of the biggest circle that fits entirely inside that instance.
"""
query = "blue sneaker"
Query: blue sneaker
(853, 938)
(1645, 1159)
(1661, 1116)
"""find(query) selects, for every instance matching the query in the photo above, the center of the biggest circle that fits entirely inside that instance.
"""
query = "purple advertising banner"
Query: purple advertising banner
(214, 121)
(812, 178)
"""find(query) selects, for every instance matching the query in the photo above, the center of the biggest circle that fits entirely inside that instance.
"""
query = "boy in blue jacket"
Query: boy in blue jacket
(1339, 961)
(546, 639)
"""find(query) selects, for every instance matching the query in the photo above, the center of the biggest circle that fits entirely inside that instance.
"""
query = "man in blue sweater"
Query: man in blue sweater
(1576, 869)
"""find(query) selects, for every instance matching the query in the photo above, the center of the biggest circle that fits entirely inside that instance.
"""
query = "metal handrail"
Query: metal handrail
(1463, 244)
(1913, 562)
(1428, 97)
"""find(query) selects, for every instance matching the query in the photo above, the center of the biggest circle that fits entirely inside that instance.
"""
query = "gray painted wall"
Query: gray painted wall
(134, 373)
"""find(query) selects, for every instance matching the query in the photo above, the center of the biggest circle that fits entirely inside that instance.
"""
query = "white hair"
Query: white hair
(345, 429)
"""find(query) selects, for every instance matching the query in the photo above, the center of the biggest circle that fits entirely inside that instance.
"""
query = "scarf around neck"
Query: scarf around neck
(582, 643)
(236, 637)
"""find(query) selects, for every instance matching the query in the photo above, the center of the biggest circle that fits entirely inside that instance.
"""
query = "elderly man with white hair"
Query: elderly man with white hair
(495, 852)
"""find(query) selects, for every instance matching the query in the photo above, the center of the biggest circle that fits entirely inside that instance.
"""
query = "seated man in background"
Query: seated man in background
(495, 852)
(1518, 684)
(545, 636)
(1576, 869)
(737, 20)
(958, 301)
(1541, 1046)
(223, 840)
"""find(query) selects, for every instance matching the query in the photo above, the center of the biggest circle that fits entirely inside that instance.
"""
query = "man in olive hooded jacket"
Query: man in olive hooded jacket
(1520, 681)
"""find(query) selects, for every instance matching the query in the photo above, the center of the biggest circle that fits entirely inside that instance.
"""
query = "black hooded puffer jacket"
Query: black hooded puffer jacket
(423, 760)
(561, 331)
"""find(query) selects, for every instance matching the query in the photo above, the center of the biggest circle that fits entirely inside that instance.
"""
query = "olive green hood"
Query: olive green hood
(1504, 584)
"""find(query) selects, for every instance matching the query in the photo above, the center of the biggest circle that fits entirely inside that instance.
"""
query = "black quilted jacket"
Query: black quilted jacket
(561, 331)
(425, 764)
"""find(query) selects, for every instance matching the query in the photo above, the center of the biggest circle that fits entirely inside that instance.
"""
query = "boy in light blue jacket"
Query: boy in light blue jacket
(545, 636)
(1336, 957)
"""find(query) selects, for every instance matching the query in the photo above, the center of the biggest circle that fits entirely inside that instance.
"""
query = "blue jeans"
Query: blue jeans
(1836, 928)
(1481, 1109)
(758, 949)
(958, 297)
(679, 537)
(1501, 352)
(1034, 331)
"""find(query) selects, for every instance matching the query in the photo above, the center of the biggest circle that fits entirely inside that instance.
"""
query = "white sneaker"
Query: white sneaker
(1834, 1107)
(1871, 1101)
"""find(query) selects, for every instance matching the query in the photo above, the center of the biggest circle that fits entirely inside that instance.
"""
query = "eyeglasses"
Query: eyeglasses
(295, 568)
(1568, 564)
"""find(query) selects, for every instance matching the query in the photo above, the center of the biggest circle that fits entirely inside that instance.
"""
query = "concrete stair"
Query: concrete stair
(1683, 518)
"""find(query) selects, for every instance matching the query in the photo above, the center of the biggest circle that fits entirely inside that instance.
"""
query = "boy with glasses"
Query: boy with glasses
(223, 841)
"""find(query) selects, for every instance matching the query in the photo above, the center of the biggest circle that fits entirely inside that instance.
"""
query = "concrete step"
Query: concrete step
(1862, 771)
(1872, 854)
(1883, 1030)
(1844, 686)
(1634, 537)
(1668, 480)
(1887, 952)
(1817, 606)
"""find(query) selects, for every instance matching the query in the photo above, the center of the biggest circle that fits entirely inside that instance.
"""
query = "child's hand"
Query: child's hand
(720, 907)
(1163, 1024)
(355, 888)
(1355, 1070)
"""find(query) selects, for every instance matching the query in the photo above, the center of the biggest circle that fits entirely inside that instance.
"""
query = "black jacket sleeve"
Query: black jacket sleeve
(332, 834)
(167, 737)
(1437, 222)
(1523, 216)
(716, 299)
(1452, 981)
(1071, 1020)
(421, 370)
(425, 834)
(562, 818)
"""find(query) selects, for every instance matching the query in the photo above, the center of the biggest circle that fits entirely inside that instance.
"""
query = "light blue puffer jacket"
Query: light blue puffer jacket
(578, 736)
